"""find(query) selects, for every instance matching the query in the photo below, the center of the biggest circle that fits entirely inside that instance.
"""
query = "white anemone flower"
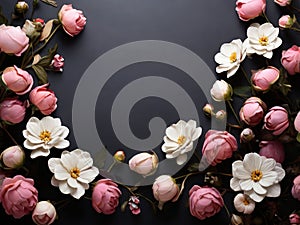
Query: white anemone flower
(179, 140)
(42, 135)
(73, 172)
(262, 39)
(257, 176)
(243, 203)
(230, 57)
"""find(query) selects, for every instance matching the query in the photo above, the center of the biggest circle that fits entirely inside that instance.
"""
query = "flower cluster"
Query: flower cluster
(254, 142)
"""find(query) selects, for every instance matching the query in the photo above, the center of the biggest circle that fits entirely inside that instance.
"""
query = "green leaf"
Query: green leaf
(45, 61)
(242, 91)
(298, 137)
(40, 73)
(50, 2)
(3, 19)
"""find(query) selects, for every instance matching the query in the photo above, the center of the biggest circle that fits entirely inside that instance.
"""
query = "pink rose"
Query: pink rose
(17, 80)
(13, 157)
(286, 21)
(297, 122)
(263, 79)
(283, 2)
(12, 110)
(272, 149)
(44, 213)
(294, 219)
(296, 188)
(276, 120)
(73, 20)
(105, 197)
(18, 196)
(44, 99)
(13, 40)
(290, 60)
(250, 9)
(218, 146)
(204, 202)
(252, 112)
(164, 189)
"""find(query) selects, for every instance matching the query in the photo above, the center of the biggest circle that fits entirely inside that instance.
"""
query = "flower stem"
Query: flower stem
(245, 75)
(234, 113)
(265, 16)
(187, 175)
(9, 134)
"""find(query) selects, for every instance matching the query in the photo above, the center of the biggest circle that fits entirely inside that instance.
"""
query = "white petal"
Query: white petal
(64, 187)
(54, 182)
(85, 161)
(227, 49)
(78, 192)
(68, 160)
(241, 173)
(33, 128)
(52, 163)
(173, 133)
(72, 182)
(268, 54)
(60, 173)
(274, 190)
(280, 172)
(32, 138)
(39, 152)
(232, 71)
(246, 185)
(61, 131)
(236, 164)
(268, 165)
(268, 179)
(90, 174)
(27, 144)
(196, 134)
(49, 123)
(222, 59)
(259, 189)
(235, 184)
(254, 196)
(252, 161)
(181, 159)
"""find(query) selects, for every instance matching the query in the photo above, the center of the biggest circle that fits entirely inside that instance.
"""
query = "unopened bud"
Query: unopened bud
(21, 7)
(236, 220)
(221, 115)
(247, 135)
(208, 110)
(120, 156)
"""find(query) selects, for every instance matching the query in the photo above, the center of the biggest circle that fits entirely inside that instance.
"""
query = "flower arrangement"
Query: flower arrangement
(263, 174)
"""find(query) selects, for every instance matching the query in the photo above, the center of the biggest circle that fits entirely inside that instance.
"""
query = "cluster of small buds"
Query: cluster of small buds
(208, 110)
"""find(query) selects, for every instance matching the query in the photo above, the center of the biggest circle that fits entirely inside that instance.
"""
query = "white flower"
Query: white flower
(262, 39)
(42, 135)
(179, 140)
(230, 56)
(257, 176)
(243, 203)
(221, 91)
(73, 172)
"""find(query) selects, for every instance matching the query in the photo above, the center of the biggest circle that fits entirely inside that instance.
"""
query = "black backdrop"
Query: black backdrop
(201, 26)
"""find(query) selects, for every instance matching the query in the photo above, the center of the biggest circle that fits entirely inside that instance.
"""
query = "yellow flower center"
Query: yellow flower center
(45, 136)
(74, 172)
(263, 40)
(232, 57)
(256, 175)
(246, 202)
(181, 140)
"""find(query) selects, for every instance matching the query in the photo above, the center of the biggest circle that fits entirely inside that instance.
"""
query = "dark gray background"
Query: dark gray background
(201, 26)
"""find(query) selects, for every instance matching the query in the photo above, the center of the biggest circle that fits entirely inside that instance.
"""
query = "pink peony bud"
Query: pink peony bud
(13, 157)
(44, 213)
(272, 149)
(250, 9)
(286, 21)
(283, 2)
(296, 188)
(12, 111)
(252, 112)
(263, 79)
(294, 219)
(144, 163)
(276, 120)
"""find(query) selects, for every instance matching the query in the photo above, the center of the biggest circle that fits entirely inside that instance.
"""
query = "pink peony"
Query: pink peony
(296, 188)
(294, 219)
(44, 99)
(105, 197)
(250, 9)
(252, 112)
(290, 60)
(18, 196)
(12, 110)
(17, 80)
(272, 149)
(44, 213)
(204, 202)
(73, 20)
(13, 40)
(218, 146)
(263, 79)
(276, 120)
(297, 122)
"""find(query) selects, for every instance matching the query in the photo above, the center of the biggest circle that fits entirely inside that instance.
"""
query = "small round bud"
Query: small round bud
(208, 110)
(12, 157)
(236, 220)
(119, 156)
(221, 115)
(247, 135)
(21, 7)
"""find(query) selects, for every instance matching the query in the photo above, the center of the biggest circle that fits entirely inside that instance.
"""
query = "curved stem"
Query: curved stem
(265, 16)
(187, 175)
(234, 113)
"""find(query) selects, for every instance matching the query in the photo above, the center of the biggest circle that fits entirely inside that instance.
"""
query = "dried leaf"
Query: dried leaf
(40, 73)
(45, 61)
(47, 30)
(36, 59)
(50, 2)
